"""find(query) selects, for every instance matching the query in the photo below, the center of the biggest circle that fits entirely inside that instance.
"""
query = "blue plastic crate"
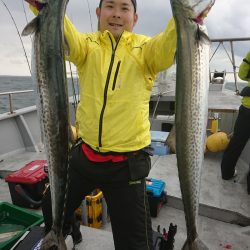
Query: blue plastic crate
(159, 136)
(155, 187)
(158, 139)
(159, 148)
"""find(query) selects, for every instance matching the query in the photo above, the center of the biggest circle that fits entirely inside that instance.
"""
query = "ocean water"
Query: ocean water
(17, 83)
(14, 83)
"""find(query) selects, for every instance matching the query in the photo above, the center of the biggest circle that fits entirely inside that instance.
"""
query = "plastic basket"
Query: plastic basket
(14, 222)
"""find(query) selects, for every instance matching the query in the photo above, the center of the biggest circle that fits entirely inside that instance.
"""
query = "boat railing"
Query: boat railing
(231, 41)
(10, 94)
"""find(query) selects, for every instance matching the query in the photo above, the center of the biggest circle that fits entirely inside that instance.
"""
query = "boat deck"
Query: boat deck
(224, 221)
(228, 196)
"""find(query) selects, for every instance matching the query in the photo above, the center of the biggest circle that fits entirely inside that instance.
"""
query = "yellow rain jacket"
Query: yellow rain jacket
(244, 74)
(116, 79)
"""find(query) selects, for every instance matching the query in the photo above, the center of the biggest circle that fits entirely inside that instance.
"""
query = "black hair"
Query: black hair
(133, 2)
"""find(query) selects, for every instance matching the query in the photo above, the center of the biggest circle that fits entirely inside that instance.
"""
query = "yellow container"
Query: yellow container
(217, 142)
(214, 126)
(94, 209)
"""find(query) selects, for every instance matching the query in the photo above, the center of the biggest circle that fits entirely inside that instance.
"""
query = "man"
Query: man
(241, 129)
(116, 69)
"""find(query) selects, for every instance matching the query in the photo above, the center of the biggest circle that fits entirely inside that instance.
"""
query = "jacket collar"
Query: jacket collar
(107, 36)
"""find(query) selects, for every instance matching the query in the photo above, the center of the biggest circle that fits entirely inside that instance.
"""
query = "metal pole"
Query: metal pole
(10, 102)
(10, 97)
(234, 68)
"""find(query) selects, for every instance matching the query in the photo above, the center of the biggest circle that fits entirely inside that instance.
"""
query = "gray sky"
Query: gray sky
(228, 18)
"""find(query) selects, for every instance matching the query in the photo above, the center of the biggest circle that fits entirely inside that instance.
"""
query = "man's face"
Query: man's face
(116, 16)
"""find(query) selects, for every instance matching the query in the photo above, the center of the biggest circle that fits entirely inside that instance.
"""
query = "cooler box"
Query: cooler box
(27, 184)
(158, 139)
(156, 195)
(14, 222)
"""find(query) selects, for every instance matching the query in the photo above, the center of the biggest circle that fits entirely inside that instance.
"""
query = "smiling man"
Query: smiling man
(116, 70)
(117, 16)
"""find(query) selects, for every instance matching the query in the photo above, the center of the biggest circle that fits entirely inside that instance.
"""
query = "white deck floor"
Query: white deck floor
(220, 200)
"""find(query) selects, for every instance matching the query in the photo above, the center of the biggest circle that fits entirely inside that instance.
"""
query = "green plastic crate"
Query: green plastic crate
(14, 218)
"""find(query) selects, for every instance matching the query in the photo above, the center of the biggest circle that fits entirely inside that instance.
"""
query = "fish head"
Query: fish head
(196, 10)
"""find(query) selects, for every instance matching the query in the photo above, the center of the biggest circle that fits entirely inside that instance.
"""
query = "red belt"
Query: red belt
(95, 156)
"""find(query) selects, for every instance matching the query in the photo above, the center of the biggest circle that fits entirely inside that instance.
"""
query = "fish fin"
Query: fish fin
(51, 240)
(197, 244)
(202, 36)
(31, 27)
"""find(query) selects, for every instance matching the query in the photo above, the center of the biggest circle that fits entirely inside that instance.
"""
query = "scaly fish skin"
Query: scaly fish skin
(192, 82)
(52, 88)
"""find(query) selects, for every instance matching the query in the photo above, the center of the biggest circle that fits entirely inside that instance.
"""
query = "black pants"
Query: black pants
(237, 143)
(127, 200)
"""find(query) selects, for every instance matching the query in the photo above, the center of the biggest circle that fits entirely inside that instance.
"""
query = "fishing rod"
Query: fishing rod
(75, 99)
(90, 17)
(25, 14)
(17, 33)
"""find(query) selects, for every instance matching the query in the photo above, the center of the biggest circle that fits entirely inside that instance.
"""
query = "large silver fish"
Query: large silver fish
(192, 82)
(52, 88)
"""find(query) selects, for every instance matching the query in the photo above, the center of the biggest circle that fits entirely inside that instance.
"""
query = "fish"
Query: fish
(48, 66)
(171, 140)
(8, 235)
(191, 110)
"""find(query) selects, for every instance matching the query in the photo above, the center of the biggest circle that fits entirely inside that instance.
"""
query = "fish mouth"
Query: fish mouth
(199, 19)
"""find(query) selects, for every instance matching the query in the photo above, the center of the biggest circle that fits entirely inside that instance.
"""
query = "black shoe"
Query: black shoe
(232, 177)
(235, 174)
(76, 233)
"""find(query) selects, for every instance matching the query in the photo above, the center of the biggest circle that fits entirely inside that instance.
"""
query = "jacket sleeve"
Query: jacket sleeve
(160, 49)
(76, 46)
(244, 70)
(75, 43)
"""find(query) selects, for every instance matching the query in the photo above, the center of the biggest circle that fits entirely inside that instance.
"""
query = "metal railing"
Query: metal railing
(10, 93)
(231, 41)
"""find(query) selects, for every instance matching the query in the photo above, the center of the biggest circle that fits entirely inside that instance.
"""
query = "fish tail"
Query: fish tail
(51, 240)
(197, 244)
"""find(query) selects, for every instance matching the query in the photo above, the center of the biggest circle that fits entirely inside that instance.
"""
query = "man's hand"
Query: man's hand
(35, 4)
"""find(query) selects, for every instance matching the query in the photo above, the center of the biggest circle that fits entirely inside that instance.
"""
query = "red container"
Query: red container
(27, 184)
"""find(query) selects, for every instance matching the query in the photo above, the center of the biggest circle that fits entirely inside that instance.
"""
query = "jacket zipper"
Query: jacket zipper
(106, 90)
(116, 74)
